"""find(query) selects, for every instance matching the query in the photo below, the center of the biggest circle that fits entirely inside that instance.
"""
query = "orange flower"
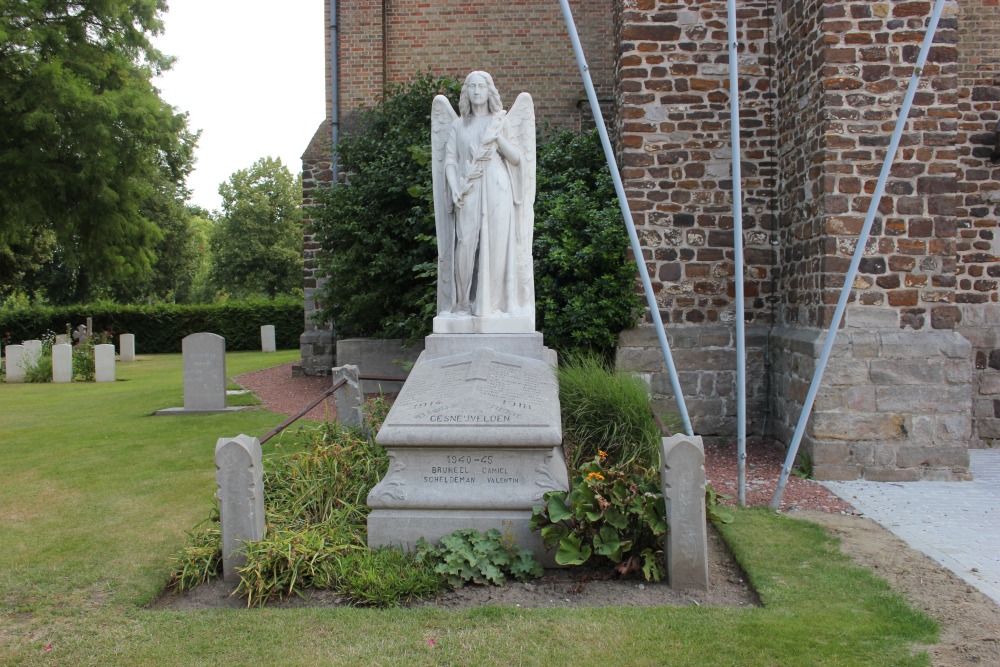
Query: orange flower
(602, 454)
(594, 475)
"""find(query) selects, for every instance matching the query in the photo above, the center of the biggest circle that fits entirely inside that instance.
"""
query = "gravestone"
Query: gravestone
(204, 358)
(104, 363)
(62, 339)
(126, 347)
(204, 371)
(15, 364)
(81, 335)
(267, 338)
(348, 398)
(683, 481)
(62, 362)
(32, 352)
(240, 478)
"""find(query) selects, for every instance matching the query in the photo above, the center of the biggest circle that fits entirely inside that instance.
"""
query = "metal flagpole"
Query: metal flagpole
(852, 271)
(654, 309)
(741, 347)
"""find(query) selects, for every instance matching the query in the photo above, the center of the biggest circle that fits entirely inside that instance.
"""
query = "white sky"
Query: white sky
(250, 75)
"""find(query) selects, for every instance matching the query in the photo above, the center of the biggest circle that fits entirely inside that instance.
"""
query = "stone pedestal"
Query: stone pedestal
(474, 441)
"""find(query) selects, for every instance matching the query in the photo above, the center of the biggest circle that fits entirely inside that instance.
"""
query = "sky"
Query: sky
(250, 76)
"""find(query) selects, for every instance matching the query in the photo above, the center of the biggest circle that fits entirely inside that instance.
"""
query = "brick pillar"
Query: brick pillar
(896, 398)
(978, 207)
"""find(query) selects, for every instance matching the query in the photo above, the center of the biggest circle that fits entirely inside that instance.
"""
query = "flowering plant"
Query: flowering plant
(615, 513)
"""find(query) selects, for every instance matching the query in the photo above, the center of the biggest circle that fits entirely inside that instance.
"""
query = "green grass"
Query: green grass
(96, 496)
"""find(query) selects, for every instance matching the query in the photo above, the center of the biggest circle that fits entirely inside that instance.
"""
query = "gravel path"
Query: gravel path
(284, 394)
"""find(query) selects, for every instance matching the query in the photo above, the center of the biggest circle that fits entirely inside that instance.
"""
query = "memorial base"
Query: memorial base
(402, 528)
(474, 442)
(198, 411)
(446, 324)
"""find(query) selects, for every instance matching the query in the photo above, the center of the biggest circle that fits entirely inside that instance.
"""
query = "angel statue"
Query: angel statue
(484, 192)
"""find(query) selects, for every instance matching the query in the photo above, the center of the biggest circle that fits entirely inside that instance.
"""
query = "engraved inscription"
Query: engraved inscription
(479, 389)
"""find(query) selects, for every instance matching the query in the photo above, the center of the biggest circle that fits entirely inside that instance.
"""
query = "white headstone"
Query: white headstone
(204, 371)
(267, 338)
(126, 347)
(32, 352)
(15, 363)
(683, 480)
(104, 363)
(62, 362)
(240, 477)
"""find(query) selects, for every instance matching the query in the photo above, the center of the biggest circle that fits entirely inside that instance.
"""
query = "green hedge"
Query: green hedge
(160, 329)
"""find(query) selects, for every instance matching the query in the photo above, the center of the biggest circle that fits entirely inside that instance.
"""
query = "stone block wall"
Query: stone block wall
(894, 405)
(705, 358)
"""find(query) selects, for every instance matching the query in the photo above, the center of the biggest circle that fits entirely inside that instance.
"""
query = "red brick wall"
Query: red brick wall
(978, 175)
(673, 96)
(522, 43)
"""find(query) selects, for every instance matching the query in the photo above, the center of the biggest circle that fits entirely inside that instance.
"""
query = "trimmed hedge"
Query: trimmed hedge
(159, 329)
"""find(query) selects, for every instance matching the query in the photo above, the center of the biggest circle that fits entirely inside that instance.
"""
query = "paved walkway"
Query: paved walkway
(957, 524)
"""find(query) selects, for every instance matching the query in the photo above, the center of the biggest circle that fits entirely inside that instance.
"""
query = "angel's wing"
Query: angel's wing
(521, 128)
(442, 117)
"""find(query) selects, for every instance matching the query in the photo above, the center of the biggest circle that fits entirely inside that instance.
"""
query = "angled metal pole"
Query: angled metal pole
(609, 155)
(852, 271)
(741, 342)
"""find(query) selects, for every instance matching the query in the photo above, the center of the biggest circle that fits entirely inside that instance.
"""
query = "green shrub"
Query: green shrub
(468, 555)
(160, 328)
(604, 410)
(378, 234)
(584, 280)
(614, 513)
(377, 229)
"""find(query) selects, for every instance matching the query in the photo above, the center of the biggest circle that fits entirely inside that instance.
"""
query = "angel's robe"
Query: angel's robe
(484, 220)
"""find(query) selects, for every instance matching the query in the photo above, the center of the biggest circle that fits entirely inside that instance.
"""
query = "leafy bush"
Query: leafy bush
(614, 513)
(379, 225)
(605, 410)
(468, 555)
(378, 234)
(584, 280)
(160, 328)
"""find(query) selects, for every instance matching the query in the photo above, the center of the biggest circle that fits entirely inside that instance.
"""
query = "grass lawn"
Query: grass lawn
(96, 496)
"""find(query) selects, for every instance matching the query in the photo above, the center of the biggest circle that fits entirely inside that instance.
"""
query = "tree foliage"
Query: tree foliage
(377, 231)
(257, 242)
(86, 142)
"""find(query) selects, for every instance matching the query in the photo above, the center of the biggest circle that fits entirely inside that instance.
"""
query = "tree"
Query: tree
(257, 243)
(86, 142)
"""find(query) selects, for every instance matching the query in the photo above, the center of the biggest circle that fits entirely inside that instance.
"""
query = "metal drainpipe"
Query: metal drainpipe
(334, 89)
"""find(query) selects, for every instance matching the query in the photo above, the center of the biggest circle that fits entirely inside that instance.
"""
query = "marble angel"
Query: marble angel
(484, 192)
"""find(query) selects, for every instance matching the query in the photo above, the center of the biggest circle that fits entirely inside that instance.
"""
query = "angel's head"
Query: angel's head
(472, 82)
